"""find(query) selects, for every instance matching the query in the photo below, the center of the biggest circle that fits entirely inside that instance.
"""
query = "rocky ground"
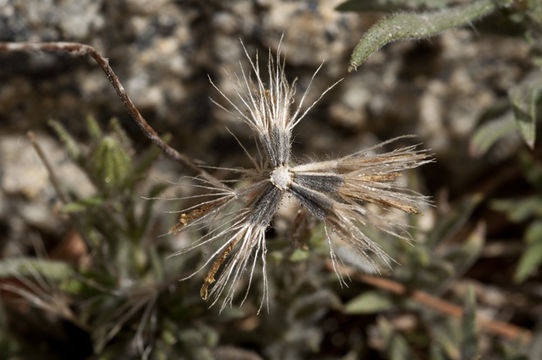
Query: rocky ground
(163, 51)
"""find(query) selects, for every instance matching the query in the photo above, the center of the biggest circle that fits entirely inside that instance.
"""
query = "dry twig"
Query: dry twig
(52, 176)
(78, 49)
(495, 327)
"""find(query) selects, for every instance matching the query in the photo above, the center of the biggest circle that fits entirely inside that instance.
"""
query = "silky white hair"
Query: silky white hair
(335, 192)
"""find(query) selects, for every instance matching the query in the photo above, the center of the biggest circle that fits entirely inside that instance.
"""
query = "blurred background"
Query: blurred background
(84, 273)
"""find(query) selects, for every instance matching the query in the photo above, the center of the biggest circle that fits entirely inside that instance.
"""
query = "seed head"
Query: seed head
(281, 177)
(335, 192)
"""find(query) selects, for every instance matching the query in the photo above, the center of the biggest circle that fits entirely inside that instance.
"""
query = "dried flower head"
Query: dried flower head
(336, 191)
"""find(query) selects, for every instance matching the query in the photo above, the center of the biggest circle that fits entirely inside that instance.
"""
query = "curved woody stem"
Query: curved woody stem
(79, 49)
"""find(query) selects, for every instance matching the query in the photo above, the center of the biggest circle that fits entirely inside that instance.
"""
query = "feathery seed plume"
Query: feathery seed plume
(335, 192)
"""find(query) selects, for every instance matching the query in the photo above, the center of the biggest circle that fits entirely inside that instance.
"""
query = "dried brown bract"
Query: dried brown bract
(336, 191)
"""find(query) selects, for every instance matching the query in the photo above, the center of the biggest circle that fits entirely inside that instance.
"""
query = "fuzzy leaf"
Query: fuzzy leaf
(398, 348)
(119, 131)
(453, 221)
(469, 334)
(299, 255)
(534, 232)
(69, 142)
(110, 164)
(447, 336)
(462, 257)
(519, 209)
(73, 207)
(534, 10)
(490, 132)
(369, 302)
(532, 169)
(529, 262)
(396, 345)
(24, 266)
(82, 205)
(147, 210)
(390, 5)
(437, 353)
(141, 168)
(416, 26)
(526, 99)
(94, 128)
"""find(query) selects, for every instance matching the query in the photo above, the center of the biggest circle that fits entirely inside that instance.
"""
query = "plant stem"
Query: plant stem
(491, 326)
(79, 49)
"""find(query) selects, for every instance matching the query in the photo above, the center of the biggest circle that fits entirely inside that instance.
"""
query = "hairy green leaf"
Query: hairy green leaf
(526, 99)
(396, 346)
(469, 335)
(529, 262)
(69, 142)
(519, 209)
(390, 5)
(490, 132)
(82, 204)
(534, 232)
(142, 166)
(532, 169)
(369, 302)
(436, 351)
(417, 26)
(462, 257)
(532, 256)
(299, 255)
(110, 163)
(94, 128)
(534, 10)
(451, 222)
(25, 266)
(119, 131)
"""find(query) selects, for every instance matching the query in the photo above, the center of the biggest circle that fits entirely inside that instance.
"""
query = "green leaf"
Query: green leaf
(534, 232)
(448, 337)
(147, 210)
(416, 26)
(534, 10)
(82, 205)
(437, 353)
(390, 5)
(398, 348)
(462, 257)
(369, 302)
(396, 345)
(25, 266)
(451, 222)
(299, 255)
(469, 334)
(526, 99)
(119, 131)
(145, 161)
(532, 169)
(529, 262)
(73, 207)
(519, 210)
(490, 132)
(94, 128)
(71, 145)
(110, 164)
